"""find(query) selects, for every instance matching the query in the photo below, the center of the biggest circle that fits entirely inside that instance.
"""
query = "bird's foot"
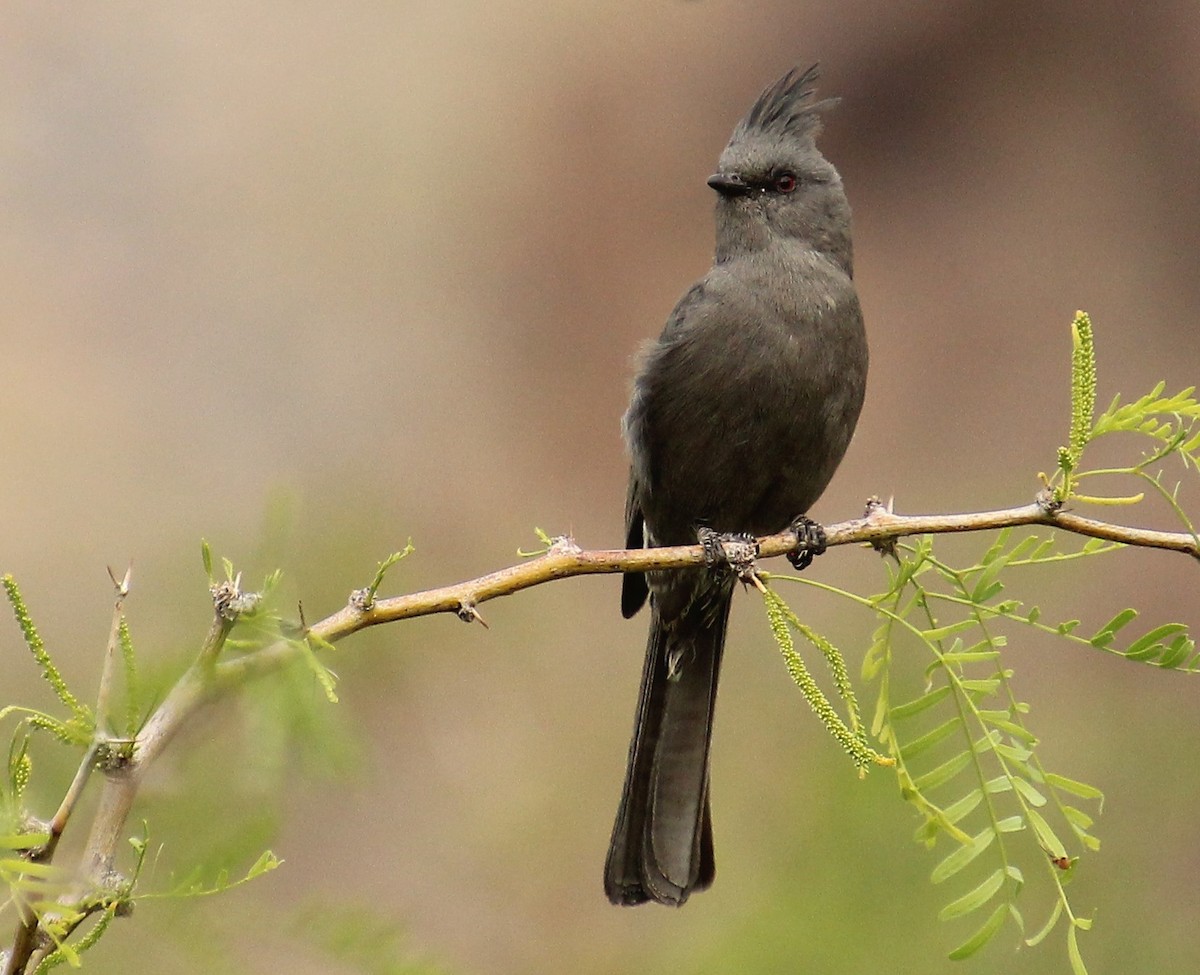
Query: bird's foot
(734, 550)
(810, 542)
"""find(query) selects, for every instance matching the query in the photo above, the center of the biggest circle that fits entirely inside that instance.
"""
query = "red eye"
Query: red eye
(785, 183)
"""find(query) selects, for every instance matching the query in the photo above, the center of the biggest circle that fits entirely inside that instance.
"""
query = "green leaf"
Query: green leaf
(1046, 836)
(24, 841)
(1031, 795)
(1031, 548)
(987, 742)
(1177, 651)
(989, 644)
(1148, 644)
(881, 727)
(962, 856)
(1001, 783)
(1077, 965)
(971, 656)
(983, 594)
(1073, 786)
(943, 773)
(996, 547)
(982, 936)
(193, 886)
(988, 584)
(961, 808)
(391, 560)
(266, 862)
(41, 871)
(943, 820)
(324, 676)
(1105, 634)
(1077, 817)
(930, 738)
(973, 899)
(941, 632)
(1046, 928)
(922, 703)
(1014, 753)
(877, 656)
(1001, 720)
(1043, 551)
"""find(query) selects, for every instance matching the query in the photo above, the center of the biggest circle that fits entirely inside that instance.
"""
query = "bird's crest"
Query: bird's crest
(786, 108)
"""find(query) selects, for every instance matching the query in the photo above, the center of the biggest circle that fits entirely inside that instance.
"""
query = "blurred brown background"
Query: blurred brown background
(307, 279)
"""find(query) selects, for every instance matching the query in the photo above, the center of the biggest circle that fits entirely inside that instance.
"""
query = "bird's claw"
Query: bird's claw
(735, 550)
(810, 542)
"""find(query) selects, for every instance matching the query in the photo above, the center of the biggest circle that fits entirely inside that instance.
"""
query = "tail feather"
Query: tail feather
(662, 846)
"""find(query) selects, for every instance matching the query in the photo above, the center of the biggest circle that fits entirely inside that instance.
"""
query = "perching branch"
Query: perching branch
(564, 559)
(209, 677)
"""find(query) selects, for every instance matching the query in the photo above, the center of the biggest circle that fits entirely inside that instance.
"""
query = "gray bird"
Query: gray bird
(741, 412)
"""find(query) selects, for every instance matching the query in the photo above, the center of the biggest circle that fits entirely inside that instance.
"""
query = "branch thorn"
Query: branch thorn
(469, 614)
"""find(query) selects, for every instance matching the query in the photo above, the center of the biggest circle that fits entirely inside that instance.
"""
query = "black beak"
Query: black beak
(729, 184)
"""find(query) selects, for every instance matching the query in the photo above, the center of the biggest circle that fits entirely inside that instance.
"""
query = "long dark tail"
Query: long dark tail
(662, 846)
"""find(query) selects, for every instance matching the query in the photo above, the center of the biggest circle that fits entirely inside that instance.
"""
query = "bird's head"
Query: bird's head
(772, 181)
